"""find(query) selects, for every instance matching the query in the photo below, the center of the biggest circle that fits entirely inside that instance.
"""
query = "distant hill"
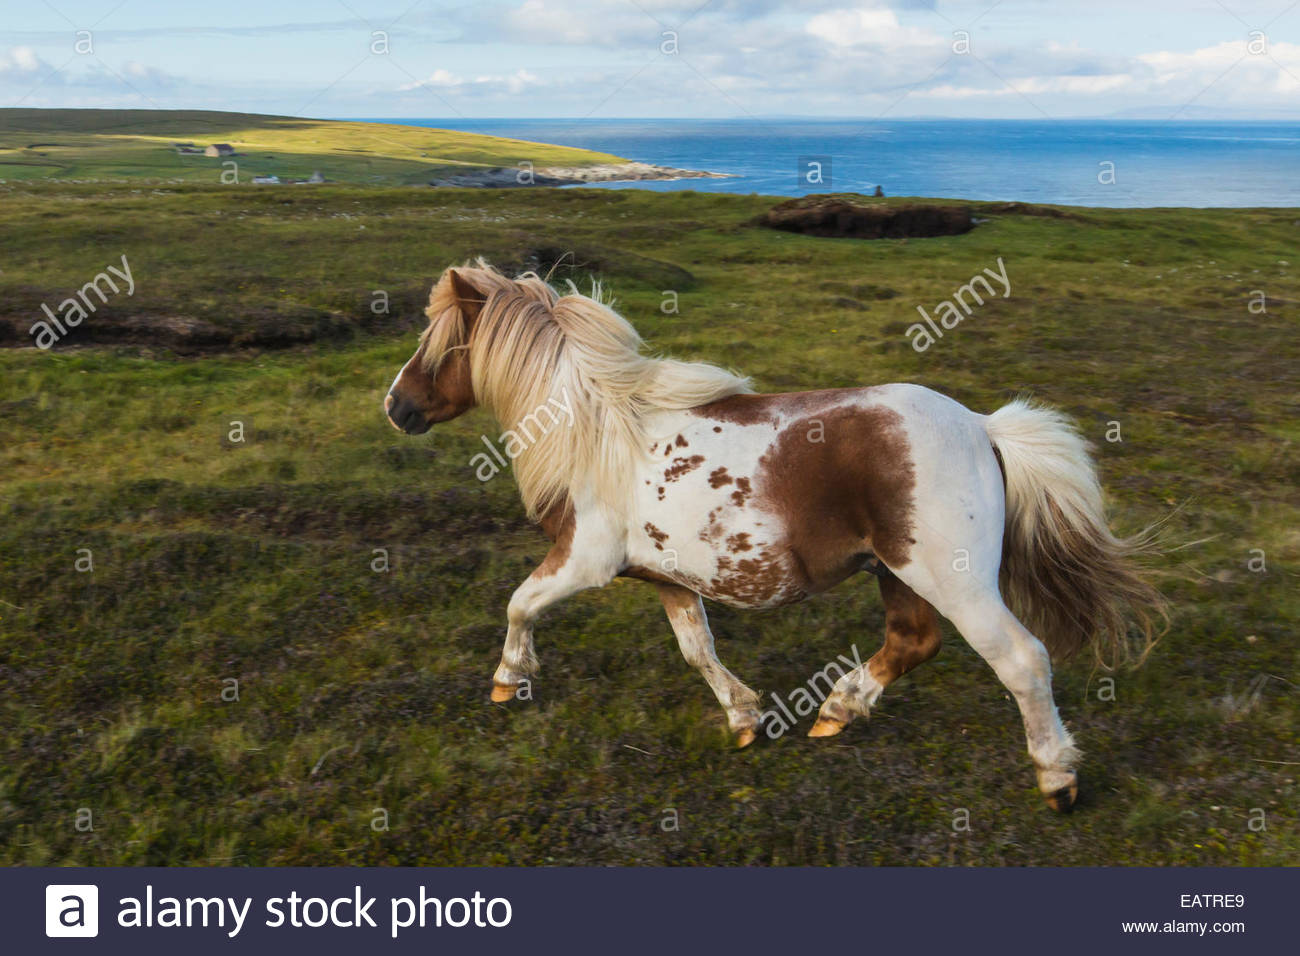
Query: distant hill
(87, 144)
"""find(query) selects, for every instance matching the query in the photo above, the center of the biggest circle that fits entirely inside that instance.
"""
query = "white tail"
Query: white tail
(1068, 577)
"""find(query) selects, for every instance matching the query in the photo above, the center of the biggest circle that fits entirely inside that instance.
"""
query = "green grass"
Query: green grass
(138, 145)
(361, 690)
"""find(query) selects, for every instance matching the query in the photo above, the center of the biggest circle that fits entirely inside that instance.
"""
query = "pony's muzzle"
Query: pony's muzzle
(405, 416)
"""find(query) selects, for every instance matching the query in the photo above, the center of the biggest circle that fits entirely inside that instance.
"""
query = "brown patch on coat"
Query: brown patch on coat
(681, 442)
(660, 490)
(739, 542)
(559, 524)
(682, 466)
(744, 491)
(912, 633)
(766, 580)
(717, 428)
(719, 477)
(713, 530)
(766, 409)
(659, 536)
(741, 409)
(642, 573)
(842, 497)
(683, 600)
(656, 576)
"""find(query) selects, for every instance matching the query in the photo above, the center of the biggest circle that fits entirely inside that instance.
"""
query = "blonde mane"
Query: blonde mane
(533, 348)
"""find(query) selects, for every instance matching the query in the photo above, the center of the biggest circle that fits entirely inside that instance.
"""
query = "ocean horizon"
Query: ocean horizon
(1094, 162)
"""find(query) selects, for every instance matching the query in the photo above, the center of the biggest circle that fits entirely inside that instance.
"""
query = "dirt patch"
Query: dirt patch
(852, 218)
(188, 333)
(561, 262)
(266, 327)
(454, 520)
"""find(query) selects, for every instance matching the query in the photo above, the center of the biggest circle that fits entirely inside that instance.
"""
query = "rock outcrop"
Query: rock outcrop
(857, 218)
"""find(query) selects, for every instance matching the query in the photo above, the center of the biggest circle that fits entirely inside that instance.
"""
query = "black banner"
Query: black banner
(158, 910)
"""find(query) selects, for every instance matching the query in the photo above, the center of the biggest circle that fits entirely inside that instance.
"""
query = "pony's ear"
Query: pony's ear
(470, 299)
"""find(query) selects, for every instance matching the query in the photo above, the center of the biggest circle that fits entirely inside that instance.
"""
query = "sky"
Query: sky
(600, 59)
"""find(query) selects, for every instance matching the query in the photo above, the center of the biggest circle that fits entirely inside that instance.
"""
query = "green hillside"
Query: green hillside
(76, 144)
(362, 690)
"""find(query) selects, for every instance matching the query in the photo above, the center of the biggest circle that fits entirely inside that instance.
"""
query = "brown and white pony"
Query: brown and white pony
(677, 474)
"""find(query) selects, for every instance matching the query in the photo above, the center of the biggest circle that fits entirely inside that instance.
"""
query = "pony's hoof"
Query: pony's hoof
(1062, 800)
(502, 692)
(745, 737)
(826, 727)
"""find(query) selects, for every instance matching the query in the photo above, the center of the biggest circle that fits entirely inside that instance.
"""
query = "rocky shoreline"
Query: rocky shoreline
(509, 177)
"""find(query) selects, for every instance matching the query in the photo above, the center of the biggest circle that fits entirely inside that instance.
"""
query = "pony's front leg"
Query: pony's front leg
(686, 614)
(566, 570)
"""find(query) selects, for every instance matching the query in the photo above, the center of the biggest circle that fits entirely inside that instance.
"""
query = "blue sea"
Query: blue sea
(1155, 163)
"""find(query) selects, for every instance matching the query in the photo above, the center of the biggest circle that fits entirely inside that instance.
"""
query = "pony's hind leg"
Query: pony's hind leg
(958, 521)
(1019, 659)
(911, 637)
(686, 615)
(1022, 664)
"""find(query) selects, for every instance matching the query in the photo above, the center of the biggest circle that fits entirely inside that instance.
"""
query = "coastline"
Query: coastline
(511, 177)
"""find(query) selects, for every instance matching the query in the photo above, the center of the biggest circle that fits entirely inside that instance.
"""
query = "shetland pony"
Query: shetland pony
(678, 474)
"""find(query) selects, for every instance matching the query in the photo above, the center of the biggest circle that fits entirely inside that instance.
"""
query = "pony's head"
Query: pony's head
(447, 376)
(435, 384)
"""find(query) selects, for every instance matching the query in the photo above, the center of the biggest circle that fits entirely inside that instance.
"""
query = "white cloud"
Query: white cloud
(1223, 73)
(513, 83)
(1220, 56)
(545, 23)
(436, 78)
(22, 59)
(1228, 69)
(139, 74)
(869, 26)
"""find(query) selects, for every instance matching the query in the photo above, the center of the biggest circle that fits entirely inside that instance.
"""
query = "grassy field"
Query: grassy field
(139, 145)
(362, 733)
